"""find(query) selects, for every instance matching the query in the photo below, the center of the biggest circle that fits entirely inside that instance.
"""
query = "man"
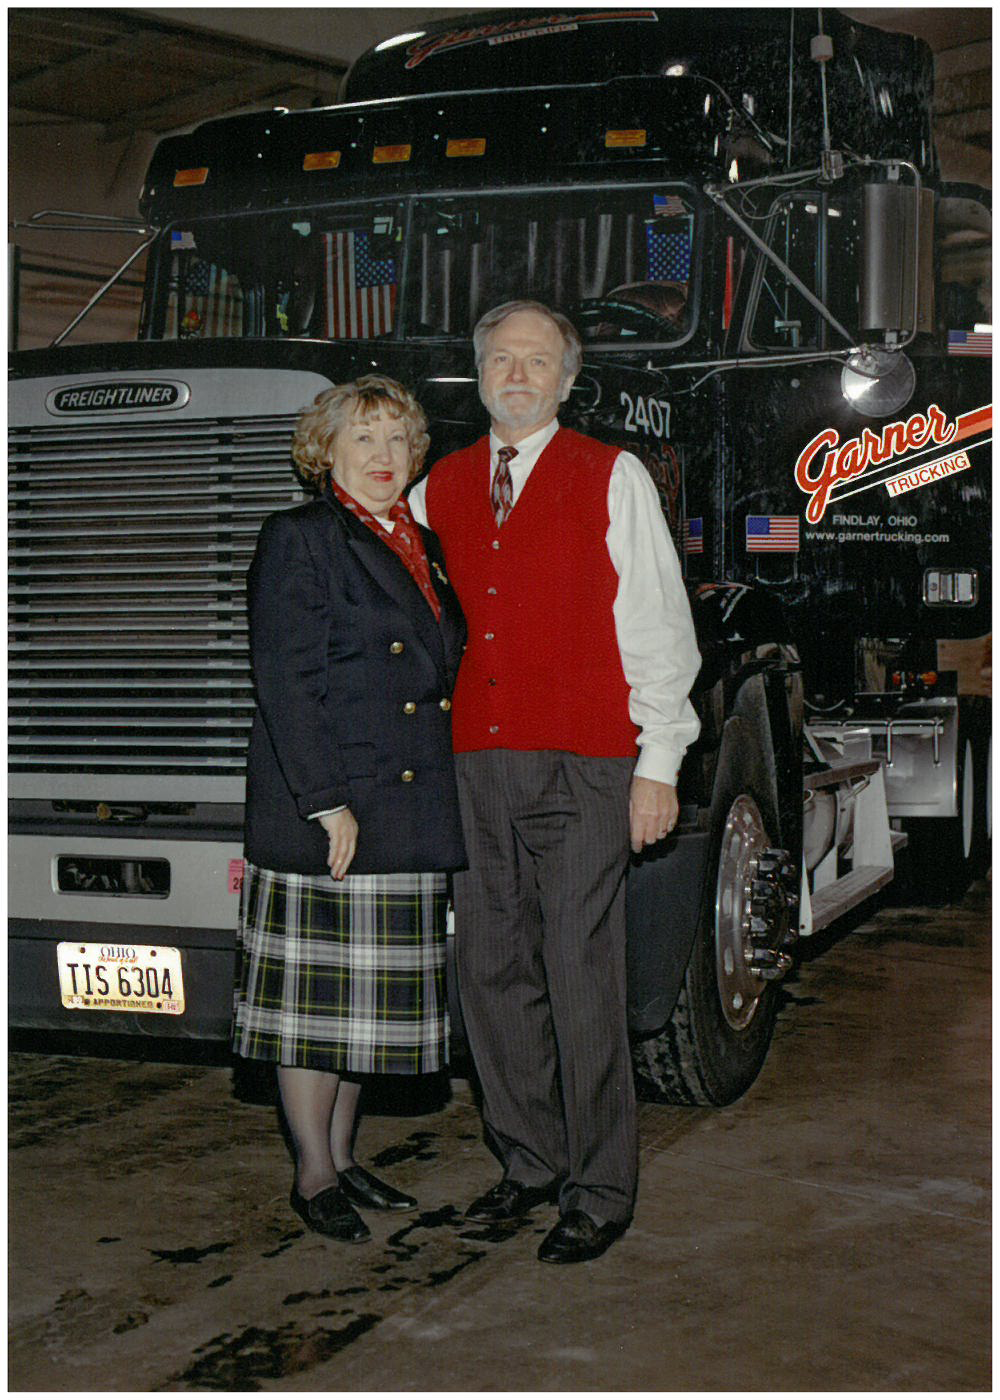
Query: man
(581, 653)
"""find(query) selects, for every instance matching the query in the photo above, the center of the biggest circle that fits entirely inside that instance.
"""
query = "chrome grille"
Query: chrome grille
(129, 546)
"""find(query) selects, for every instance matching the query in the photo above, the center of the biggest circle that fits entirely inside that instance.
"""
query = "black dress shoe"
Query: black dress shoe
(330, 1213)
(576, 1237)
(363, 1189)
(509, 1200)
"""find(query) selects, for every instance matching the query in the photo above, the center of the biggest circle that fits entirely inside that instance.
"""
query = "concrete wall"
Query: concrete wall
(73, 167)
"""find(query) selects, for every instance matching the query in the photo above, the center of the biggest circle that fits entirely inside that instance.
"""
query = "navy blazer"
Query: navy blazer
(353, 678)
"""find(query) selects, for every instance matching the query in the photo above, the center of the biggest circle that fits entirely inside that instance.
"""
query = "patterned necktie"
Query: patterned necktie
(502, 490)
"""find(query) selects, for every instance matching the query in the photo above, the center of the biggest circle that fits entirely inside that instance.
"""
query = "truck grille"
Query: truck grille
(129, 546)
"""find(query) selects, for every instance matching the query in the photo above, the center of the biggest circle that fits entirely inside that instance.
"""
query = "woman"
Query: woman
(352, 813)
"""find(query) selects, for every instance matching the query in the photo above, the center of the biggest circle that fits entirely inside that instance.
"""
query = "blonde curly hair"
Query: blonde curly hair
(331, 411)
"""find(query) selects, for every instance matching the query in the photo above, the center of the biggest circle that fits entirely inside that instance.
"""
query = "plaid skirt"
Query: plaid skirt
(343, 975)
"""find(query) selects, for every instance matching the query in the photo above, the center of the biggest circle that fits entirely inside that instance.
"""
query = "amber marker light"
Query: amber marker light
(196, 176)
(625, 138)
(321, 160)
(386, 155)
(469, 146)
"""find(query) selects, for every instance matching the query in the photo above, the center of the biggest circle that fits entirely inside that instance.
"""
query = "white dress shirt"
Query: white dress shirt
(652, 616)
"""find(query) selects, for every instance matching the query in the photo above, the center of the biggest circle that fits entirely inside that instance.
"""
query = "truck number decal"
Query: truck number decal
(650, 416)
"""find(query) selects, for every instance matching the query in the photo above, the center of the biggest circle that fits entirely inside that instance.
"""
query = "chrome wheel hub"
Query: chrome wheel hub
(752, 899)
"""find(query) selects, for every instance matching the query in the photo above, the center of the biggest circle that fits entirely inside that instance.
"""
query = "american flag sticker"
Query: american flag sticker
(360, 289)
(970, 342)
(668, 255)
(693, 536)
(212, 301)
(777, 534)
(669, 204)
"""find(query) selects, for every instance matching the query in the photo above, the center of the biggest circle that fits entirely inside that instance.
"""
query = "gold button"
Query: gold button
(396, 648)
(409, 708)
(407, 775)
(445, 704)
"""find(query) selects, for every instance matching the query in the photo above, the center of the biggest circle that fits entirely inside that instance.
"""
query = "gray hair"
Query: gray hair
(572, 344)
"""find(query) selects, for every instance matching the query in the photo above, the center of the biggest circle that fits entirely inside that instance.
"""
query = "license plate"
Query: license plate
(120, 977)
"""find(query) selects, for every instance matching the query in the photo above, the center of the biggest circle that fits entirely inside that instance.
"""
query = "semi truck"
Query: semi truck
(785, 315)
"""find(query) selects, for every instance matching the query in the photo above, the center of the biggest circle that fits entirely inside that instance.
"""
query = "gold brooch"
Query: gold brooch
(439, 571)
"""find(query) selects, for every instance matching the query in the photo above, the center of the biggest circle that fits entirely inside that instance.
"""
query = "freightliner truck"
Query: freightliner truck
(784, 315)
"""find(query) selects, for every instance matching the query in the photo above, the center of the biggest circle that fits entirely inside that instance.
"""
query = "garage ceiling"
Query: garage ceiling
(129, 73)
(132, 72)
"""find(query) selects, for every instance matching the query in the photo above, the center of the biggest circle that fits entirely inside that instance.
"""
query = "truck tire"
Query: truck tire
(983, 834)
(712, 1048)
(945, 854)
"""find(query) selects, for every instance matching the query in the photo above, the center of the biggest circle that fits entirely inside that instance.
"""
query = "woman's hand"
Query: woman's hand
(342, 830)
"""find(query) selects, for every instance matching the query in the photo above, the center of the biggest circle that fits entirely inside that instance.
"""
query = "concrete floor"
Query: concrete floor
(828, 1232)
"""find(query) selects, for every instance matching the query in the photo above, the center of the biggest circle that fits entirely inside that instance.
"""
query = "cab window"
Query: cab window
(621, 263)
(812, 232)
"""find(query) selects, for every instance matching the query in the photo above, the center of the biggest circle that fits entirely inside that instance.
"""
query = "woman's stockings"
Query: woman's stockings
(320, 1109)
(342, 1124)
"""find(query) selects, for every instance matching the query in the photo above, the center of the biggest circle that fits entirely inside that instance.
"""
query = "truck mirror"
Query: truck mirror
(878, 383)
(892, 267)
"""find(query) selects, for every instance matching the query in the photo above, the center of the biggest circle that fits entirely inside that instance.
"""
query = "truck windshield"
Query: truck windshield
(619, 261)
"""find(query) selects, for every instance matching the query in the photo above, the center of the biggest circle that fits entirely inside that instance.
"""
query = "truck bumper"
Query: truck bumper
(208, 959)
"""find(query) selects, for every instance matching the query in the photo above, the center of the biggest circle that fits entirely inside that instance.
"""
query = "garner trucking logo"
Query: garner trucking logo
(511, 30)
(892, 458)
(118, 397)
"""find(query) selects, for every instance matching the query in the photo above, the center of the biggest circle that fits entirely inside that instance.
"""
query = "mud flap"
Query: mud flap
(662, 901)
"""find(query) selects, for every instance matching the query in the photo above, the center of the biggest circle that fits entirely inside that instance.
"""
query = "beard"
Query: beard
(519, 408)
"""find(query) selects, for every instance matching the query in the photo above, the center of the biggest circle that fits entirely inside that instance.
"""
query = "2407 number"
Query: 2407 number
(644, 415)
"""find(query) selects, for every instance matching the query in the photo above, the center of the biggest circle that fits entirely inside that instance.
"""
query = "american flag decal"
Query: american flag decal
(360, 289)
(693, 536)
(212, 300)
(778, 534)
(668, 255)
(970, 342)
(669, 204)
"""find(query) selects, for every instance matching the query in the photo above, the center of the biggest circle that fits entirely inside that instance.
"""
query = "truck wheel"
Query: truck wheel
(712, 1048)
(945, 853)
(983, 833)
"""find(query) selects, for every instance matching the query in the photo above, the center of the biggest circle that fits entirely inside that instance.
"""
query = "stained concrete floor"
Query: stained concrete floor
(828, 1232)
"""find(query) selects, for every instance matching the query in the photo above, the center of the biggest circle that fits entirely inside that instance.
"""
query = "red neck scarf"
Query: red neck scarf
(404, 540)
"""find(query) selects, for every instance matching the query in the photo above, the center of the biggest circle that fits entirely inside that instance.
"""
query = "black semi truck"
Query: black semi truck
(785, 315)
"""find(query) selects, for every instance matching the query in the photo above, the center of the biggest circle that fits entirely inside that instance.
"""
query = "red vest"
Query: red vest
(542, 669)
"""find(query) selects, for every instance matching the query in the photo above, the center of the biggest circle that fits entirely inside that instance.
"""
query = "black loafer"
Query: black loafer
(330, 1213)
(510, 1200)
(577, 1237)
(363, 1189)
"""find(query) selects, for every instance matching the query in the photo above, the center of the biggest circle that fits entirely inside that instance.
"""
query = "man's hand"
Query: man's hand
(652, 811)
(342, 830)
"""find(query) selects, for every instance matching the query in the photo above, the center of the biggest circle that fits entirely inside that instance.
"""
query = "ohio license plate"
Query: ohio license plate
(120, 977)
